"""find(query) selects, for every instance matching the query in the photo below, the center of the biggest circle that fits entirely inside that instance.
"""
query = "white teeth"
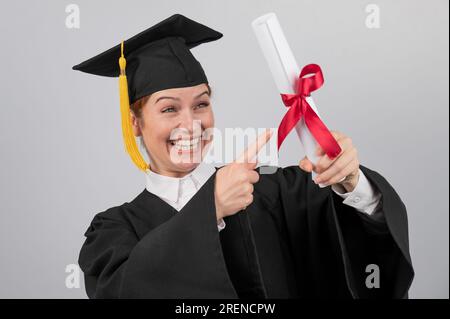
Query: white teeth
(186, 145)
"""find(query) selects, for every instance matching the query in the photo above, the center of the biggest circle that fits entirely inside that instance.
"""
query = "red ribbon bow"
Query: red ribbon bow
(298, 107)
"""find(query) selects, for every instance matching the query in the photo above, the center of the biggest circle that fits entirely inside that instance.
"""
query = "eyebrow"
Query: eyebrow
(177, 99)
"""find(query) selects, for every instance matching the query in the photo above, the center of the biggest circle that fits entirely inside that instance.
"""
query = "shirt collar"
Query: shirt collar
(167, 187)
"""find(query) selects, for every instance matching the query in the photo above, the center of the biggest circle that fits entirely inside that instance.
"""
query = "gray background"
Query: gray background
(62, 159)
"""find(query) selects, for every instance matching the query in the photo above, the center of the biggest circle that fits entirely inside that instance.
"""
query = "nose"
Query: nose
(190, 122)
(186, 120)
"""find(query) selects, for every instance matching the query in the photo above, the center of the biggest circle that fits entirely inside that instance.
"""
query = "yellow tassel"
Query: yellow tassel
(130, 141)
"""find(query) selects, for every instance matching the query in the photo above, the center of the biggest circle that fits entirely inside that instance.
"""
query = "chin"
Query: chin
(186, 167)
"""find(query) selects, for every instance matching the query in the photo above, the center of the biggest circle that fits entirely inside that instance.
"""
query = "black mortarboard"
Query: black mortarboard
(156, 59)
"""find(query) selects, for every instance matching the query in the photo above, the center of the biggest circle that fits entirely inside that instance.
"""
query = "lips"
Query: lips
(186, 144)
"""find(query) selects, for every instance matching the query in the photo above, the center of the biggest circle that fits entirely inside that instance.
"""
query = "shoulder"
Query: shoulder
(111, 217)
(118, 216)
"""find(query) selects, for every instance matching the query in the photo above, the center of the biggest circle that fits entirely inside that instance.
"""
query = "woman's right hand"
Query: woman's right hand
(234, 182)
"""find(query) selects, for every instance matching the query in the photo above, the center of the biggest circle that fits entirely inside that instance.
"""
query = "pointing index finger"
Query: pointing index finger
(252, 150)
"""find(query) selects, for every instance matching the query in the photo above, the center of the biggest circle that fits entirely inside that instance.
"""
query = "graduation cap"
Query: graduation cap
(156, 59)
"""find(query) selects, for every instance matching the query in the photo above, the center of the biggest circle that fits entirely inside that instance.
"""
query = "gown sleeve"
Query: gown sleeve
(333, 244)
(180, 258)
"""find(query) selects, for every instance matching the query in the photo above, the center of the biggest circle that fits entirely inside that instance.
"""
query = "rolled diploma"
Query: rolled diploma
(285, 72)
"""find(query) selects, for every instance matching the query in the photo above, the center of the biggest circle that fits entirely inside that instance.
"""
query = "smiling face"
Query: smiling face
(172, 123)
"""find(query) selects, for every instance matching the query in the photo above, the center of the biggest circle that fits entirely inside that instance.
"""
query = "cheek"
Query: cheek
(207, 119)
(156, 131)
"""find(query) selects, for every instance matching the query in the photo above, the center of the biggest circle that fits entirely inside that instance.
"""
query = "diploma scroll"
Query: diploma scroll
(285, 72)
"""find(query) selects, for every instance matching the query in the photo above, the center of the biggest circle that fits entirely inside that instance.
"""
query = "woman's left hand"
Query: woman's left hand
(345, 165)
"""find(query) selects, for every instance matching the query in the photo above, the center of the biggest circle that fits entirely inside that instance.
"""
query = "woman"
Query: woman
(201, 232)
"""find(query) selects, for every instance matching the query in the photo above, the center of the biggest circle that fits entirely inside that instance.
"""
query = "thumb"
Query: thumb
(306, 165)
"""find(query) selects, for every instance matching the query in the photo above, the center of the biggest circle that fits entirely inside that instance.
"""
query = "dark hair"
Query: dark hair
(137, 106)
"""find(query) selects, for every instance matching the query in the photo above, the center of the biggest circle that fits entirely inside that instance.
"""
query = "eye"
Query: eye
(169, 109)
(201, 105)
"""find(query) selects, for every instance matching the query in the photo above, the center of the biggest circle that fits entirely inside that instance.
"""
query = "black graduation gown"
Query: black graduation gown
(295, 240)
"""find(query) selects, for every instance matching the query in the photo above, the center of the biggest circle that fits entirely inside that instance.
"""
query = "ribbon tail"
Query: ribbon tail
(321, 133)
(288, 122)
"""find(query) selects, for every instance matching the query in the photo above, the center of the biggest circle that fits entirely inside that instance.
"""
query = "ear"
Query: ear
(135, 124)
